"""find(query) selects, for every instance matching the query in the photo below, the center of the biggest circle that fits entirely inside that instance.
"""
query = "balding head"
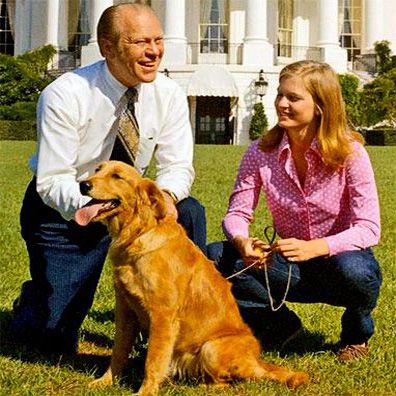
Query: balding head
(109, 25)
(131, 40)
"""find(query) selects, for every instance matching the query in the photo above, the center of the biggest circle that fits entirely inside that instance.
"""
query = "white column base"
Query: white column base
(258, 52)
(90, 53)
(336, 57)
(175, 52)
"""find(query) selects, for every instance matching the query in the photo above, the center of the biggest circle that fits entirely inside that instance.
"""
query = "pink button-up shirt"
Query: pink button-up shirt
(340, 206)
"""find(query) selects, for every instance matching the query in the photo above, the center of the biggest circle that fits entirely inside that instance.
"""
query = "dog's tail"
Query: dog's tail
(236, 358)
(292, 379)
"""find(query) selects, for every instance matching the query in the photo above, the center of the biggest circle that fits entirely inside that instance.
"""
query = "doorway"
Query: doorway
(213, 122)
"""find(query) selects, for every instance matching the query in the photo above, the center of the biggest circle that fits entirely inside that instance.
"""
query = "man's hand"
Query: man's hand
(252, 250)
(299, 250)
(170, 204)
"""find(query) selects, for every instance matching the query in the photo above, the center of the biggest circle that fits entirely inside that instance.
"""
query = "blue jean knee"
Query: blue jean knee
(349, 279)
(361, 282)
(361, 276)
(191, 215)
(66, 261)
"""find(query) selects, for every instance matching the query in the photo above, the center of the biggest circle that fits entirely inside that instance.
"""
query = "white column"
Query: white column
(331, 52)
(90, 53)
(256, 48)
(328, 23)
(52, 23)
(374, 20)
(175, 40)
(23, 28)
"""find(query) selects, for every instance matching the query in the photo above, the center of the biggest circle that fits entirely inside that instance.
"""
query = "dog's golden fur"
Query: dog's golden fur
(165, 285)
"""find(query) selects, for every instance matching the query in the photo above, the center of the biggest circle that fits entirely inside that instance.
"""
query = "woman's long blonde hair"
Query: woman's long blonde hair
(334, 135)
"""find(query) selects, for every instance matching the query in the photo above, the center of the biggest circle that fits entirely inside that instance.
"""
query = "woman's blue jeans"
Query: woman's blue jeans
(66, 261)
(350, 279)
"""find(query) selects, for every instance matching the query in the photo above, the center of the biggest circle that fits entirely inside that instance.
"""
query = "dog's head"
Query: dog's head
(119, 192)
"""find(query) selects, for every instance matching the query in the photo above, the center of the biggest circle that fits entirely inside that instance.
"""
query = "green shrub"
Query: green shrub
(19, 111)
(17, 130)
(384, 60)
(259, 122)
(24, 76)
(37, 60)
(378, 99)
(349, 87)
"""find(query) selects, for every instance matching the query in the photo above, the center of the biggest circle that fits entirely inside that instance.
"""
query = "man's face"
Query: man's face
(138, 53)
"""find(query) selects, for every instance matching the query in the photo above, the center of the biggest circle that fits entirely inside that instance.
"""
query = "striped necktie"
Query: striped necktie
(127, 139)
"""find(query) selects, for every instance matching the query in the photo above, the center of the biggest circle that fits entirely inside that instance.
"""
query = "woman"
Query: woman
(320, 190)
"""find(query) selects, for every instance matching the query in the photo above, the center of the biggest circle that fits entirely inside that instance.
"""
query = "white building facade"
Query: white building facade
(215, 49)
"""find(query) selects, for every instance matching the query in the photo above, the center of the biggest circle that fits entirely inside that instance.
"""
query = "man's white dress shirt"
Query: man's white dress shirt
(77, 126)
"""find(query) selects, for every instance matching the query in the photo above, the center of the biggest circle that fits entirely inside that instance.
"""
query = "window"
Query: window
(350, 12)
(79, 31)
(6, 27)
(285, 28)
(214, 26)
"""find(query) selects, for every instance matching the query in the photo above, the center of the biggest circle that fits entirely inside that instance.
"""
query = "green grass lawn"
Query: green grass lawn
(24, 372)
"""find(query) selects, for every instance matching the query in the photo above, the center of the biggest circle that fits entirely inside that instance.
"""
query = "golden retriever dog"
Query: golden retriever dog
(166, 286)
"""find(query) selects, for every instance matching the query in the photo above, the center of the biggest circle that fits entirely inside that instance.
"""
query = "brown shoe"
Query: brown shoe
(348, 353)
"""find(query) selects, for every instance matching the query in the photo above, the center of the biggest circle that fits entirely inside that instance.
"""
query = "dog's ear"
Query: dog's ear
(154, 196)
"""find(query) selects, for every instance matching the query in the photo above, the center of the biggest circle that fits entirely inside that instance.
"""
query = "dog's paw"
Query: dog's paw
(146, 390)
(101, 382)
(297, 379)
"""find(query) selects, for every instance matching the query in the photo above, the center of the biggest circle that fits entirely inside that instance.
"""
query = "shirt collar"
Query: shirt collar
(284, 147)
(116, 89)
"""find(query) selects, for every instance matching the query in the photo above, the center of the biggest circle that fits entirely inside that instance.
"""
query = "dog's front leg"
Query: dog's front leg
(163, 333)
(126, 330)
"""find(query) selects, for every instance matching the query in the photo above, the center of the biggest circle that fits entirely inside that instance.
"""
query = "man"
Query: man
(79, 117)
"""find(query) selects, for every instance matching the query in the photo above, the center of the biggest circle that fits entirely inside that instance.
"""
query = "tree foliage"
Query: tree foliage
(259, 122)
(378, 99)
(350, 93)
(384, 58)
(22, 78)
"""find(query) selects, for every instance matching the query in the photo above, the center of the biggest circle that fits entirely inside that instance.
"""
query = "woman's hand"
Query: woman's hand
(252, 250)
(299, 250)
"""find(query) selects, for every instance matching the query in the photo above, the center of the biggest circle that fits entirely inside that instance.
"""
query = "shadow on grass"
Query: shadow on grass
(99, 340)
(102, 317)
(96, 349)
(307, 342)
(93, 360)
(90, 363)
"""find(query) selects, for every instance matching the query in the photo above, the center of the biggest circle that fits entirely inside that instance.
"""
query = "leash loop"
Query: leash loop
(270, 236)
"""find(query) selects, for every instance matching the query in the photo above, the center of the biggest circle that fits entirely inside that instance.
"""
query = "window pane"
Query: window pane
(6, 35)
(350, 38)
(285, 27)
(214, 26)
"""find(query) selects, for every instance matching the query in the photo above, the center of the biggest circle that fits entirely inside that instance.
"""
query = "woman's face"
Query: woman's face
(294, 104)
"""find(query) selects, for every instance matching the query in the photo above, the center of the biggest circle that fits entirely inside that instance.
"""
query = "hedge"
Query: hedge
(380, 137)
(17, 130)
(26, 130)
(19, 111)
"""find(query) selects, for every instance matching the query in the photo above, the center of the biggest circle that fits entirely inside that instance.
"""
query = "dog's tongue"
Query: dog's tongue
(85, 214)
